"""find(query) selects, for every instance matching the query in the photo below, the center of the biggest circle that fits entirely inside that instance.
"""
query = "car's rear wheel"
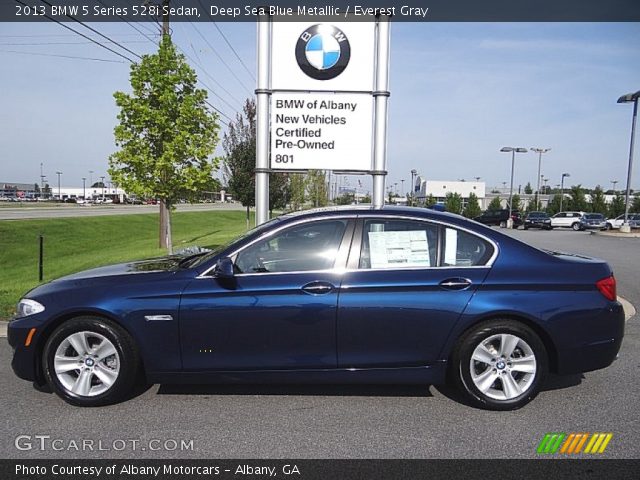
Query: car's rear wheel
(90, 361)
(499, 365)
(609, 226)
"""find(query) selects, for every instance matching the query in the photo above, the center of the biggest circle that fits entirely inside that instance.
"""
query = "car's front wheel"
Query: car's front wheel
(90, 361)
(499, 365)
(576, 227)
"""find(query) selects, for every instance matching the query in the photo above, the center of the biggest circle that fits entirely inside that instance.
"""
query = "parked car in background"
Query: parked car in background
(499, 218)
(567, 220)
(342, 295)
(537, 220)
(593, 221)
(615, 223)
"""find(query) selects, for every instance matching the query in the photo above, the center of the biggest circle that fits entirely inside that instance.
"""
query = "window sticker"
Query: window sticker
(399, 249)
(450, 246)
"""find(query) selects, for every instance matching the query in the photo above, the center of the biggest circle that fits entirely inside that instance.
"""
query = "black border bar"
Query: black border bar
(318, 10)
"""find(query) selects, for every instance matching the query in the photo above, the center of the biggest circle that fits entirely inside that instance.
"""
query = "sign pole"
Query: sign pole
(381, 98)
(263, 92)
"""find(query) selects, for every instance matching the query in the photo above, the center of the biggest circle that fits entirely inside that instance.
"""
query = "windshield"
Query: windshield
(594, 216)
(200, 258)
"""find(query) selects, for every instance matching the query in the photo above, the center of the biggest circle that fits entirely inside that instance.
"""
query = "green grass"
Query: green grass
(74, 244)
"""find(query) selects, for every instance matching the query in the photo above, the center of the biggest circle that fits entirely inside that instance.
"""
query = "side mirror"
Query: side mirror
(224, 268)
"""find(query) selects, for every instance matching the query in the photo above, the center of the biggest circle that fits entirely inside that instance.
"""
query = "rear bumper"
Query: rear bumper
(597, 353)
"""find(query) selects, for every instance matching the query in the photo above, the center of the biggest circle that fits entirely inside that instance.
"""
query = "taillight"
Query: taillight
(607, 287)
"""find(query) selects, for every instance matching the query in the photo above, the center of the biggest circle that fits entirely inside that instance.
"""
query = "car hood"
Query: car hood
(153, 265)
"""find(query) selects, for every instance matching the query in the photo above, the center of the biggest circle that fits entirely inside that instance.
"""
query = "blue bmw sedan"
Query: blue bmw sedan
(396, 295)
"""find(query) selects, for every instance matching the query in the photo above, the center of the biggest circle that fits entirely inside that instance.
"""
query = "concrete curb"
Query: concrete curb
(616, 234)
(629, 311)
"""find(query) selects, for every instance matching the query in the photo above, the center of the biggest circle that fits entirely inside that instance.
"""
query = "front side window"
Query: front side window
(306, 247)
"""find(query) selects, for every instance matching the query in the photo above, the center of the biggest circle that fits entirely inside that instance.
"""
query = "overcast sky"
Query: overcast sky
(459, 92)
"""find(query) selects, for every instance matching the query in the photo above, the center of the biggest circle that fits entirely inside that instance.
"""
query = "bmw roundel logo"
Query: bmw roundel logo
(323, 51)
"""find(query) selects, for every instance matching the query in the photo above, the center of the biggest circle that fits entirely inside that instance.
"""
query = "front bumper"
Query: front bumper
(25, 358)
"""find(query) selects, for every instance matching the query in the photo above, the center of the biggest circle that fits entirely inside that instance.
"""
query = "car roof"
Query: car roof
(390, 210)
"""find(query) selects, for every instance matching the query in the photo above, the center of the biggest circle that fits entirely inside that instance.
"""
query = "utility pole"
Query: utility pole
(539, 151)
(59, 194)
(41, 179)
(102, 182)
(84, 190)
(164, 212)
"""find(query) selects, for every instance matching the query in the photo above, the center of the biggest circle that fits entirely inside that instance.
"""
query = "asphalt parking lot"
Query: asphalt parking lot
(344, 421)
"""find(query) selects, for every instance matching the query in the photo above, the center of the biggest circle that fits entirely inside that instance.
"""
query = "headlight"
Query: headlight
(28, 307)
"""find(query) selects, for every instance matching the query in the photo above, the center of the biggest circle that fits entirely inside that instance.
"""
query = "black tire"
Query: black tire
(609, 226)
(460, 367)
(525, 228)
(127, 358)
(576, 227)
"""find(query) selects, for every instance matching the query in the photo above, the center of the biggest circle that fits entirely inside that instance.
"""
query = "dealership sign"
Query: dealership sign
(321, 112)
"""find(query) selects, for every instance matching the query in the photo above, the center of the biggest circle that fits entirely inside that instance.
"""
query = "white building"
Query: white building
(439, 189)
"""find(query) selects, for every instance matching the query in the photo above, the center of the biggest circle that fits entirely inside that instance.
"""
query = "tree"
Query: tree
(472, 209)
(46, 191)
(635, 205)
(165, 133)
(553, 206)
(453, 202)
(317, 188)
(515, 203)
(528, 189)
(495, 204)
(577, 201)
(430, 201)
(616, 207)
(345, 199)
(598, 202)
(533, 206)
(298, 191)
(239, 144)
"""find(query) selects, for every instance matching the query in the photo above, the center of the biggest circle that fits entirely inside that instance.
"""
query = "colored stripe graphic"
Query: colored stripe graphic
(572, 443)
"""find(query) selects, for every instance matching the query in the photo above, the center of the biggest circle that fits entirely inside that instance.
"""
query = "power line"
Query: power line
(81, 34)
(94, 31)
(219, 57)
(33, 44)
(227, 41)
(127, 22)
(213, 79)
(62, 56)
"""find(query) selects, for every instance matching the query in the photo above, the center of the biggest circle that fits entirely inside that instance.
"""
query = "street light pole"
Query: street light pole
(613, 186)
(402, 183)
(562, 188)
(539, 151)
(59, 194)
(102, 182)
(513, 151)
(414, 172)
(629, 98)
(84, 190)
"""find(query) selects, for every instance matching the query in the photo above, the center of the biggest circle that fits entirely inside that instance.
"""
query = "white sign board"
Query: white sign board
(327, 131)
(337, 56)
(399, 249)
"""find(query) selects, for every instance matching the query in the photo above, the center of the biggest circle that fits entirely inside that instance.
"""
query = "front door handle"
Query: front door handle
(456, 283)
(318, 288)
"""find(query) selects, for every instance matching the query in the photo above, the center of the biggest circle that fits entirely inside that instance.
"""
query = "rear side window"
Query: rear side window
(463, 249)
(398, 244)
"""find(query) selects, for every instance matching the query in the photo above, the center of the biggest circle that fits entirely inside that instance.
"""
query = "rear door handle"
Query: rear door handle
(457, 283)
(318, 288)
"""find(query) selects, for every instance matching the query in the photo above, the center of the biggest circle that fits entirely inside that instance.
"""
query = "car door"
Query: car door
(279, 309)
(407, 283)
(559, 220)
